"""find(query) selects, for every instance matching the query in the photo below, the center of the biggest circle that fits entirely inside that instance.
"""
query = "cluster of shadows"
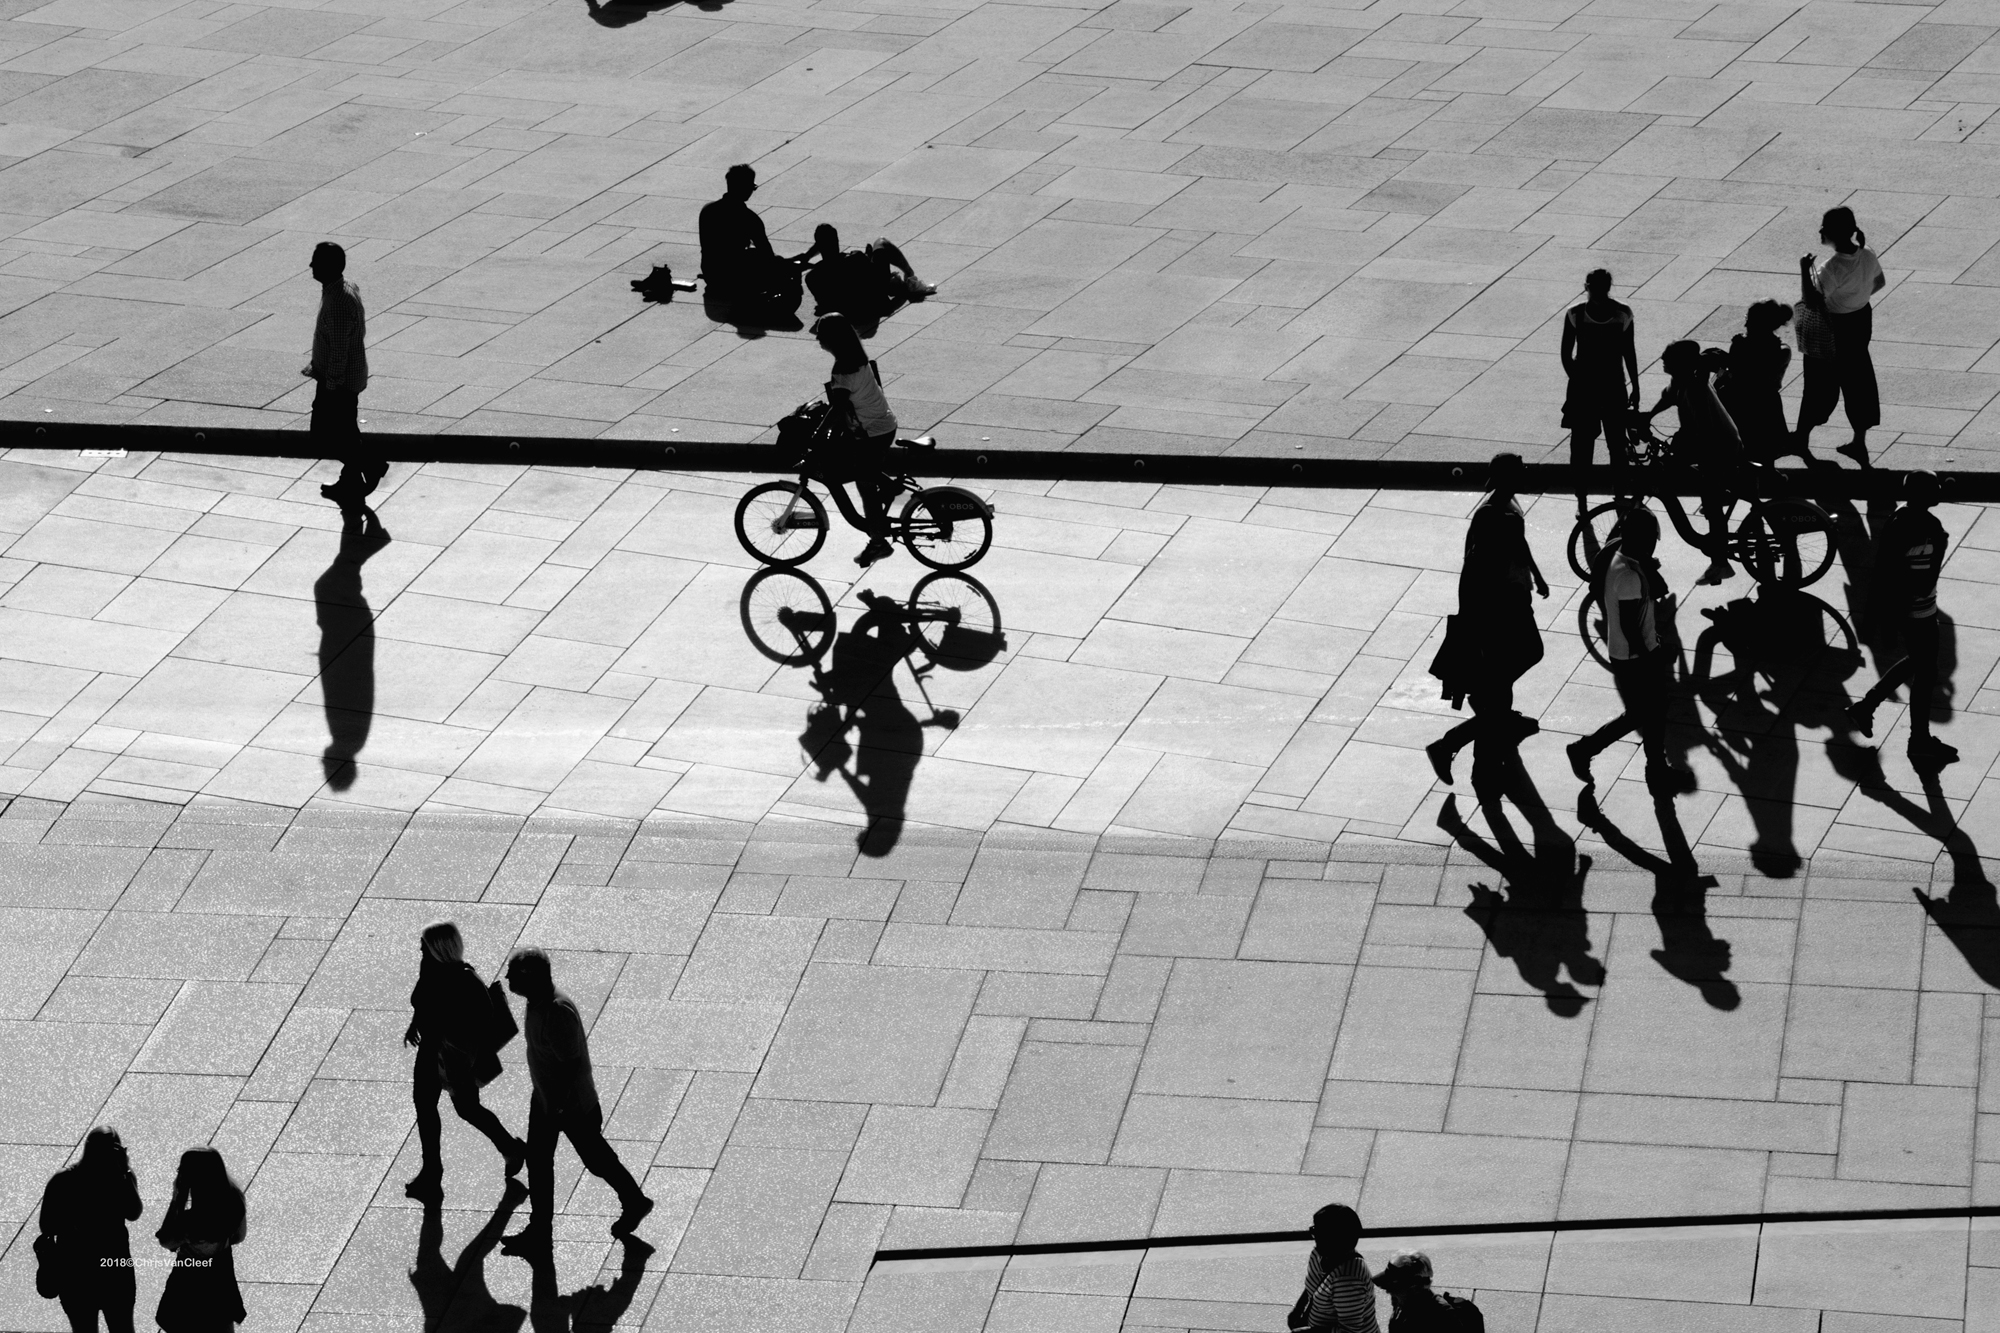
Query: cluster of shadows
(455, 1296)
(1792, 657)
(347, 644)
(861, 729)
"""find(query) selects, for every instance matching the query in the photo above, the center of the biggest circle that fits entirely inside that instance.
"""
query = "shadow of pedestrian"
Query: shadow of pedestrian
(347, 644)
(1536, 917)
(1688, 949)
(455, 1295)
(594, 1309)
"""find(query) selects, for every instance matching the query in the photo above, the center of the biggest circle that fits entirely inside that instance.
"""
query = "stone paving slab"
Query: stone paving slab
(1344, 229)
(810, 1054)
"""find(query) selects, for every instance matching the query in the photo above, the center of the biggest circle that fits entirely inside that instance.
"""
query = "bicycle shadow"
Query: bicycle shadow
(1536, 916)
(1688, 949)
(1784, 671)
(861, 729)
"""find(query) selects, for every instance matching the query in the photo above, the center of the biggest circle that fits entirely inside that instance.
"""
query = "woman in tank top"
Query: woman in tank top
(1599, 358)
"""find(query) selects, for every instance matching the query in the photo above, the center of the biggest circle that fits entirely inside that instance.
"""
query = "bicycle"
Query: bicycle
(1788, 541)
(783, 523)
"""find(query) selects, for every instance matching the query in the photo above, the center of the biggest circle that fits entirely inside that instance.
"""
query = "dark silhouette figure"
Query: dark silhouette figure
(1688, 949)
(1339, 1296)
(347, 644)
(1903, 603)
(1758, 359)
(1708, 439)
(595, 1308)
(859, 694)
(1839, 293)
(747, 283)
(1602, 364)
(205, 1222)
(84, 1210)
(339, 366)
(450, 1026)
(1784, 670)
(1496, 621)
(456, 1294)
(1637, 644)
(866, 285)
(1536, 916)
(564, 1103)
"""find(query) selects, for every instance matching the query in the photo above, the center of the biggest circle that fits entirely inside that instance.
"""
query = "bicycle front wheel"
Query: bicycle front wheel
(1787, 542)
(946, 527)
(781, 523)
(956, 621)
(1589, 536)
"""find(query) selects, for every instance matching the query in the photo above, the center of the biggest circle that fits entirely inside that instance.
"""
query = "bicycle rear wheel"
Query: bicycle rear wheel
(1787, 542)
(781, 523)
(956, 621)
(787, 616)
(1588, 537)
(1590, 628)
(946, 527)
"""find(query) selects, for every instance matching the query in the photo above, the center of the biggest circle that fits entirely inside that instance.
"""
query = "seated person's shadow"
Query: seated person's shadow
(619, 13)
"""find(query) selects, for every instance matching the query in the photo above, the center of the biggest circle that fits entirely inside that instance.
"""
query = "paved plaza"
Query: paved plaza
(1126, 906)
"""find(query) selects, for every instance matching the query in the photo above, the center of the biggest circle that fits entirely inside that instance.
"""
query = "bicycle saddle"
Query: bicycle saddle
(921, 442)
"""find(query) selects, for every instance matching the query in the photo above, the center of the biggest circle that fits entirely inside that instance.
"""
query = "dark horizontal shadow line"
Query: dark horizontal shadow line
(1467, 474)
(1449, 1229)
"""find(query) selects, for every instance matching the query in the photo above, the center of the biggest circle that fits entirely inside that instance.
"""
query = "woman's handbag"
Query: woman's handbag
(501, 1027)
(1457, 661)
(48, 1282)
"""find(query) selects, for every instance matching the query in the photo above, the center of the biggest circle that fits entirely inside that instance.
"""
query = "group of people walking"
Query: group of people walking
(458, 1026)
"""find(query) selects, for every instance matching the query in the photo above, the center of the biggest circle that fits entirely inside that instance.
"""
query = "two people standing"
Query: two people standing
(84, 1253)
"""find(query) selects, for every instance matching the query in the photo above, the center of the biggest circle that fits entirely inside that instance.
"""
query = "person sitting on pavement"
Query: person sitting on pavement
(863, 284)
(1337, 1297)
(1417, 1308)
(864, 427)
(737, 261)
(1707, 439)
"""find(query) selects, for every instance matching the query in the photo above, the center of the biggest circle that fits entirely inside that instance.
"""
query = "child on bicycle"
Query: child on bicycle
(863, 428)
(1707, 439)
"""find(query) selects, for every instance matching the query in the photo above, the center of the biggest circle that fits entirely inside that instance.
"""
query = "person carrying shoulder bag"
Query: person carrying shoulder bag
(454, 1027)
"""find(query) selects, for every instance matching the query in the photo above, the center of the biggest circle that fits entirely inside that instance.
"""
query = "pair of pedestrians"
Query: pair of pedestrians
(1339, 1294)
(454, 1028)
(83, 1253)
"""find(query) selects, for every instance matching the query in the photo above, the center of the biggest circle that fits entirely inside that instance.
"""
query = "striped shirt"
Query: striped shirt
(340, 351)
(1342, 1298)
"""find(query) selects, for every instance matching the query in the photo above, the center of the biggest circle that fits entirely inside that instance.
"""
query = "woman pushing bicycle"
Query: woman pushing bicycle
(1708, 439)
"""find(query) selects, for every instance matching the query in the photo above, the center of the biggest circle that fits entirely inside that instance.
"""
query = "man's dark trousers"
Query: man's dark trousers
(336, 418)
(585, 1129)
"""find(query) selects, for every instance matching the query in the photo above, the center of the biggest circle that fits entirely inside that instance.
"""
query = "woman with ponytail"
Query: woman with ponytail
(1840, 290)
(205, 1223)
(450, 1024)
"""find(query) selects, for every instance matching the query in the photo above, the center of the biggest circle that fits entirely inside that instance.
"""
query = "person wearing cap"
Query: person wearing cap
(1337, 1294)
(1907, 562)
(1418, 1309)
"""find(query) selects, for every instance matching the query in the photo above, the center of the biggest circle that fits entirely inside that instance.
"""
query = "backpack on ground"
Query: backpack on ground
(1459, 1315)
(659, 285)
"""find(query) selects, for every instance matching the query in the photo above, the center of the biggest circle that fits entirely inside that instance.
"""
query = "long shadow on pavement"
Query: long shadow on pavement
(1688, 949)
(455, 1295)
(347, 644)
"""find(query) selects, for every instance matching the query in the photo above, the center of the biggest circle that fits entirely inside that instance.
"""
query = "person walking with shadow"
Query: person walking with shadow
(1749, 389)
(1904, 601)
(564, 1103)
(1602, 363)
(1497, 615)
(1338, 1295)
(449, 1025)
(205, 1222)
(1840, 289)
(1629, 592)
(339, 367)
(84, 1211)
(745, 277)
